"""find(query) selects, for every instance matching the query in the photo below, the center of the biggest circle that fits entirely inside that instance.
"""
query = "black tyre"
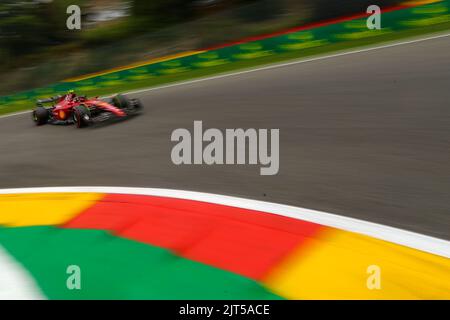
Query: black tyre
(121, 101)
(81, 116)
(40, 116)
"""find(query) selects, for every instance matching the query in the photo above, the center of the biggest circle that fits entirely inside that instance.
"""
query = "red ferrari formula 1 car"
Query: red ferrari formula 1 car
(82, 111)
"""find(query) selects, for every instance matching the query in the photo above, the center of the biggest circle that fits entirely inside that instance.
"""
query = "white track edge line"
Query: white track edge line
(267, 67)
(399, 236)
(9, 115)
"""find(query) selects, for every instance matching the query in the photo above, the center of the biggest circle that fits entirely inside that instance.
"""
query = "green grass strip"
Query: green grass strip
(117, 268)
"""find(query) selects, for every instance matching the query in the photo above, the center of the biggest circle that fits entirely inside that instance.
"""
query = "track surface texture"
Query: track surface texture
(365, 135)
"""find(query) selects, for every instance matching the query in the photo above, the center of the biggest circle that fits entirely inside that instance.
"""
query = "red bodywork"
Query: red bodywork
(63, 109)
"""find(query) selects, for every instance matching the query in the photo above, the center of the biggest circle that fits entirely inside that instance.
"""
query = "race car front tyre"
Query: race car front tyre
(121, 101)
(81, 116)
(130, 106)
(40, 116)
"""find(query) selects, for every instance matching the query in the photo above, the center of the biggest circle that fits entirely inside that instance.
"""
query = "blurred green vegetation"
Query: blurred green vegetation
(242, 65)
(37, 49)
(31, 26)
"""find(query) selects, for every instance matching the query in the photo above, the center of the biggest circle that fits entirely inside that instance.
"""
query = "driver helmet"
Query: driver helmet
(70, 94)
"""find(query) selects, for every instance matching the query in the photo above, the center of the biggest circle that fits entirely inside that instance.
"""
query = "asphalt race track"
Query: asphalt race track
(365, 135)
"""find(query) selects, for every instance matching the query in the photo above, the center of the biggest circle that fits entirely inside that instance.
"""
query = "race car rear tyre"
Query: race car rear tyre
(121, 101)
(40, 116)
(81, 116)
